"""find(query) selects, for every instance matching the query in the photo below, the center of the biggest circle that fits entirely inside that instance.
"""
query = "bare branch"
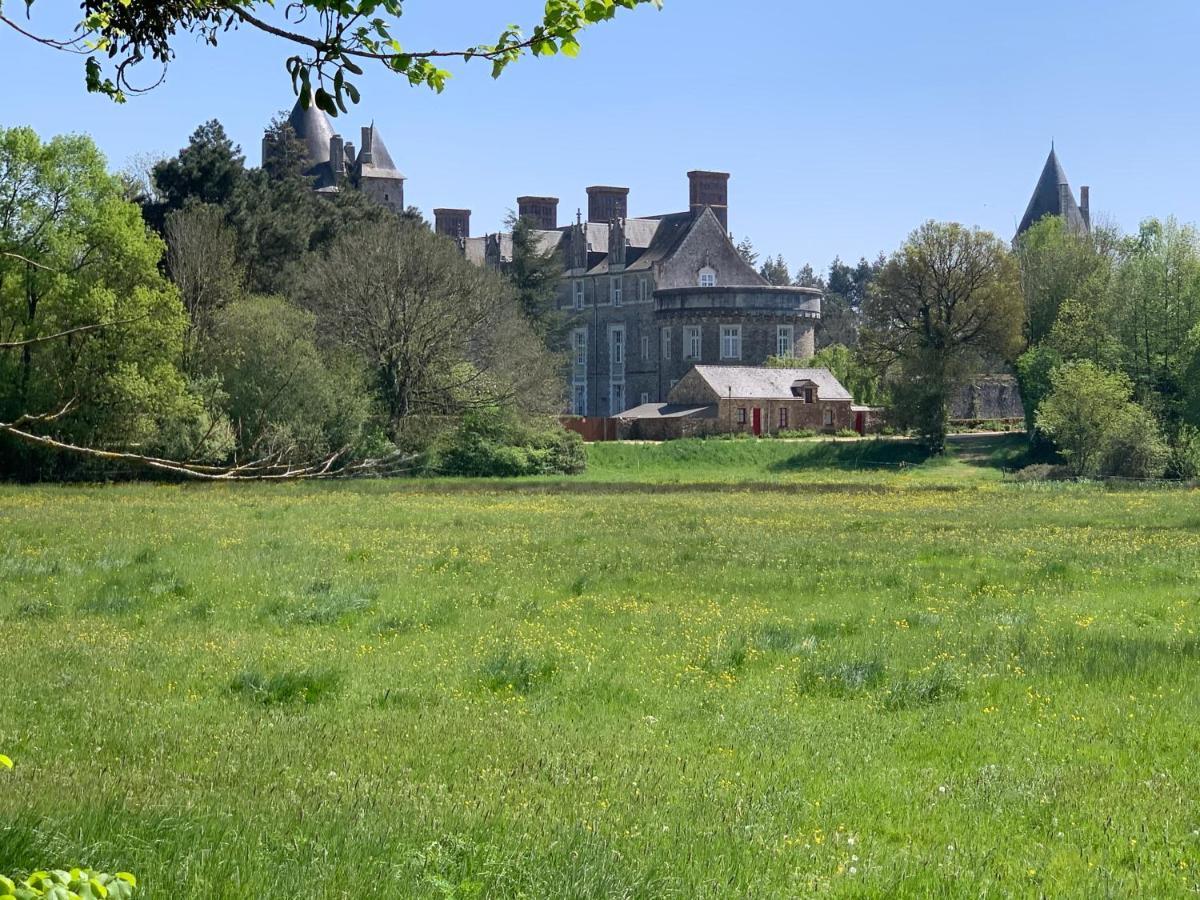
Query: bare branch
(42, 339)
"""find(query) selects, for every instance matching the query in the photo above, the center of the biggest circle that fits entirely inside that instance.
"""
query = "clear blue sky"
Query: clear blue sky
(844, 125)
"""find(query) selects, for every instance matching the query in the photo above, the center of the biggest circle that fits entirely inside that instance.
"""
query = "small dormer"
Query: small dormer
(706, 277)
(805, 389)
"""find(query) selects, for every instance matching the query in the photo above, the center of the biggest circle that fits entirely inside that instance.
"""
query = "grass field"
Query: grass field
(722, 669)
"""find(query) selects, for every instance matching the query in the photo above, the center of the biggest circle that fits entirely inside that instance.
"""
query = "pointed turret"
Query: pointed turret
(375, 172)
(1052, 197)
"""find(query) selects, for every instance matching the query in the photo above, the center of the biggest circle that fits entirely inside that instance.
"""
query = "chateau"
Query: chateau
(647, 297)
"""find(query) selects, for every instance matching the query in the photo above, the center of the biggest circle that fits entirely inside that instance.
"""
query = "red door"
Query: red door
(756, 421)
(859, 425)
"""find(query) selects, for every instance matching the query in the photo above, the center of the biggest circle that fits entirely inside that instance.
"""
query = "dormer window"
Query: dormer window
(708, 277)
(805, 390)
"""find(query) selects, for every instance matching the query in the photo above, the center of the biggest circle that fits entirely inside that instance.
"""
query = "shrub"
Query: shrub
(518, 671)
(307, 686)
(1185, 453)
(844, 679)
(931, 687)
(495, 443)
(1041, 472)
(76, 884)
(1097, 427)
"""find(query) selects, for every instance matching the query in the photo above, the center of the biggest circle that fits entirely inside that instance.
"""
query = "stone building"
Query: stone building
(650, 297)
(334, 163)
(748, 399)
(1052, 196)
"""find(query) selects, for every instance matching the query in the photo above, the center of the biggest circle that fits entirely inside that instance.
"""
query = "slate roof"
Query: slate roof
(314, 129)
(650, 239)
(1047, 199)
(381, 165)
(762, 383)
(669, 411)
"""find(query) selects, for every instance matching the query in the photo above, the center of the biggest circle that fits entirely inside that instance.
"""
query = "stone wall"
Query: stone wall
(988, 397)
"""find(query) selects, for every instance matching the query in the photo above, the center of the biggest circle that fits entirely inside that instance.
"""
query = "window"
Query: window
(617, 393)
(643, 289)
(731, 342)
(708, 277)
(784, 340)
(741, 415)
(783, 417)
(645, 346)
(645, 397)
(691, 341)
(579, 341)
(615, 290)
(577, 290)
(579, 346)
(808, 396)
(827, 417)
(666, 343)
(616, 346)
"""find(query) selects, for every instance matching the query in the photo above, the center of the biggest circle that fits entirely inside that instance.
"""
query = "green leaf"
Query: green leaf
(7, 764)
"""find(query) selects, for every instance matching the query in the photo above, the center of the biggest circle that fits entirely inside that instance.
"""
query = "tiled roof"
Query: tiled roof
(381, 165)
(761, 382)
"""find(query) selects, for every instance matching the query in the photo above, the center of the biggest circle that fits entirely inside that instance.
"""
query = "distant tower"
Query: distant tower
(1052, 197)
(375, 173)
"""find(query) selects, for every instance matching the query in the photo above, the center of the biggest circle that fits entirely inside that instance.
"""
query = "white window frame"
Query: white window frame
(785, 341)
(693, 341)
(645, 398)
(643, 289)
(614, 388)
(614, 290)
(645, 346)
(827, 417)
(707, 277)
(731, 342)
(616, 348)
(579, 382)
(666, 342)
(577, 293)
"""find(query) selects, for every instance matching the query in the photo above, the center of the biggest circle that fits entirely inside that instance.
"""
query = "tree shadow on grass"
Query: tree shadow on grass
(850, 455)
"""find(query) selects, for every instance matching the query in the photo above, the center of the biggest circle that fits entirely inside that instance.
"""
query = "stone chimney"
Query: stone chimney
(452, 222)
(365, 156)
(606, 204)
(337, 156)
(351, 159)
(709, 189)
(1085, 205)
(542, 211)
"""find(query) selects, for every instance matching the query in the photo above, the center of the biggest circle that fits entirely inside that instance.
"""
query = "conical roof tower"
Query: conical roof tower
(1052, 197)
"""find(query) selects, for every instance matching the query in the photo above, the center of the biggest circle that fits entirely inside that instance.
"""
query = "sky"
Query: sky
(844, 125)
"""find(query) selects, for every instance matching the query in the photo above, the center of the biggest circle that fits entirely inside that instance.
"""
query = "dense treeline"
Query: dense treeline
(220, 314)
(1101, 329)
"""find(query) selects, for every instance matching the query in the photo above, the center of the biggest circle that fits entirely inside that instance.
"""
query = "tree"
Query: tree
(284, 396)
(949, 294)
(202, 261)
(331, 41)
(775, 271)
(745, 249)
(439, 334)
(806, 277)
(535, 273)
(90, 330)
(1090, 416)
(207, 170)
(1058, 264)
(845, 291)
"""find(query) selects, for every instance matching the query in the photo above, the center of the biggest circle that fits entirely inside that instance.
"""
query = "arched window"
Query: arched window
(708, 277)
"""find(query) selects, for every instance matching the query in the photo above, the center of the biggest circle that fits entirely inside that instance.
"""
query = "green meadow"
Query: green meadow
(703, 669)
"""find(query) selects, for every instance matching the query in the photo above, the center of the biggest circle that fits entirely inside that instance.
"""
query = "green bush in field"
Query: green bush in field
(76, 884)
(496, 443)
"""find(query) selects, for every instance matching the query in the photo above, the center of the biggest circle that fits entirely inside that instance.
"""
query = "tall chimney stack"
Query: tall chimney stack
(1085, 205)
(542, 211)
(606, 204)
(452, 222)
(709, 189)
(365, 156)
(337, 156)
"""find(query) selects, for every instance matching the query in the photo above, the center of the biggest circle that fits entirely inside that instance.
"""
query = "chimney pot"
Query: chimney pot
(365, 155)
(337, 155)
